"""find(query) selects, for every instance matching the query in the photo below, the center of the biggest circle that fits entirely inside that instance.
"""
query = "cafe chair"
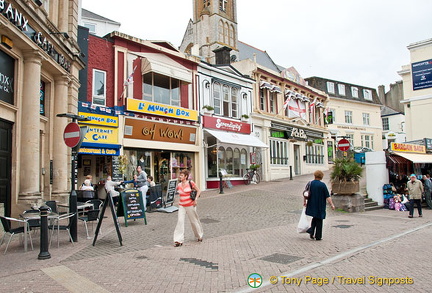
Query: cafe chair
(90, 216)
(6, 222)
(64, 223)
(52, 204)
(97, 203)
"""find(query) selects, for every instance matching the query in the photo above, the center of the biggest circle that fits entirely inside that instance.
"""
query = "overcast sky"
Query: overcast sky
(360, 42)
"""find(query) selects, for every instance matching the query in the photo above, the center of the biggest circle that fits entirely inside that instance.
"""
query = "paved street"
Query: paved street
(249, 229)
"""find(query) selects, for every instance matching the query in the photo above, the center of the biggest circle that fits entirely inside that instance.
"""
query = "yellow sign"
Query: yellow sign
(97, 119)
(409, 148)
(100, 134)
(141, 106)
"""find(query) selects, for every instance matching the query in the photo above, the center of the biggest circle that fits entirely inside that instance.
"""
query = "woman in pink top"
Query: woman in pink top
(187, 206)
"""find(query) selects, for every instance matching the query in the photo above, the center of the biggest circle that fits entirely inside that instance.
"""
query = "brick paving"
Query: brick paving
(249, 229)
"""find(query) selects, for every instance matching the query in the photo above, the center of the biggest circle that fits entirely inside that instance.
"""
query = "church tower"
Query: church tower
(214, 26)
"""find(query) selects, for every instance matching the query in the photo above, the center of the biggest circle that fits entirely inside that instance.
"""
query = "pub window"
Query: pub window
(278, 152)
(315, 154)
(161, 89)
(99, 87)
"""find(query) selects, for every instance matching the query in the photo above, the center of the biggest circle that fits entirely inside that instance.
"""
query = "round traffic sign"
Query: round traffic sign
(344, 145)
(72, 134)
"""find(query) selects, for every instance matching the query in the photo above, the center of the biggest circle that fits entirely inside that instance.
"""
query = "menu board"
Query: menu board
(171, 190)
(133, 205)
(116, 173)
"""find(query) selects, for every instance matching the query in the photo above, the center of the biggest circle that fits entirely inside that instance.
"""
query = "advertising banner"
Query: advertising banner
(422, 74)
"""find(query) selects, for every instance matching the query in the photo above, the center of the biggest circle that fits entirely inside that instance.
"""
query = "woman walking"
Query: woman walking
(316, 205)
(187, 206)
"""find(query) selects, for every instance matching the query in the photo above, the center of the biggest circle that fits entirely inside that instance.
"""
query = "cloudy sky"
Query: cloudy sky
(361, 42)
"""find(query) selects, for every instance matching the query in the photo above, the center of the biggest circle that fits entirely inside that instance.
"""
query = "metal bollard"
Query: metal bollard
(44, 253)
(291, 173)
(73, 209)
(220, 184)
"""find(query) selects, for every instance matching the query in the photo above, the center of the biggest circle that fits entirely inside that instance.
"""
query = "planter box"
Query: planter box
(345, 188)
(349, 203)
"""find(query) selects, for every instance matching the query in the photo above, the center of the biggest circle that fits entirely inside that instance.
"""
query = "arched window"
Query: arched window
(243, 162)
(226, 32)
(236, 162)
(229, 161)
(226, 101)
(221, 158)
(234, 101)
(231, 36)
(221, 31)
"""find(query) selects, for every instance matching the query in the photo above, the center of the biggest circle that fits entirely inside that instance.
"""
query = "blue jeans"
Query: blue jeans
(418, 204)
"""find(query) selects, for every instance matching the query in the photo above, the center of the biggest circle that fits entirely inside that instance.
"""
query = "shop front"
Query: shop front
(99, 151)
(161, 146)
(228, 148)
(295, 150)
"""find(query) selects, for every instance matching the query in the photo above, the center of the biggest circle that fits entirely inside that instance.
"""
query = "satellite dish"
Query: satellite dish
(233, 58)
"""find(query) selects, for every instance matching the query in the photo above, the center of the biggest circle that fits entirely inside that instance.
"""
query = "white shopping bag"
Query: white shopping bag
(304, 222)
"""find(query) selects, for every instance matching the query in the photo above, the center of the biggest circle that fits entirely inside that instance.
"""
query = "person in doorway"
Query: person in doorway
(87, 185)
(142, 183)
(316, 205)
(415, 191)
(90, 178)
(150, 181)
(187, 206)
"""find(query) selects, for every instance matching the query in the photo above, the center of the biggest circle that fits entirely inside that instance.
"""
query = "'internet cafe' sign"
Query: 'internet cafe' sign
(406, 147)
(149, 130)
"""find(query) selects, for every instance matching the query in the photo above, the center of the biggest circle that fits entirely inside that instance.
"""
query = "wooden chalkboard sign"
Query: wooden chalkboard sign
(171, 190)
(133, 205)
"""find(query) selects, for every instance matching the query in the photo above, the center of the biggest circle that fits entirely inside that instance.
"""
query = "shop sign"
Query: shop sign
(422, 74)
(99, 151)
(351, 127)
(406, 147)
(97, 119)
(7, 65)
(146, 107)
(225, 124)
(14, 16)
(46, 45)
(278, 134)
(149, 130)
(99, 134)
(298, 133)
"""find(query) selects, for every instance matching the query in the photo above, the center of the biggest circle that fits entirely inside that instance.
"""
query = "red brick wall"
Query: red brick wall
(101, 57)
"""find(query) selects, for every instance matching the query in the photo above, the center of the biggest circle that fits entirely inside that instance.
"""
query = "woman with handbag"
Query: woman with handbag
(187, 206)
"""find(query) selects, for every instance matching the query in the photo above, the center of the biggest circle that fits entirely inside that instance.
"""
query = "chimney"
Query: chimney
(381, 95)
(222, 55)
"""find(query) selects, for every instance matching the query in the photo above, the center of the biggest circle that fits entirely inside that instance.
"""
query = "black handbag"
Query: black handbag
(193, 192)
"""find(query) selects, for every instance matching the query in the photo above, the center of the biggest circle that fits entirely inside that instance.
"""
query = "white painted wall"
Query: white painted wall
(376, 175)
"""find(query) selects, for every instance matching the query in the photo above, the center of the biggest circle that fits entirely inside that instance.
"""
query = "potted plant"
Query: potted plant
(244, 117)
(254, 166)
(208, 109)
(345, 176)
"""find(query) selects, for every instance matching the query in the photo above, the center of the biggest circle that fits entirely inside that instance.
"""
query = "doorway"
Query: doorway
(297, 160)
(5, 165)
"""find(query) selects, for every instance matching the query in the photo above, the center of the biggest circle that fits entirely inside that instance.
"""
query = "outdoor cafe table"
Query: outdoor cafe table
(80, 205)
(34, 216)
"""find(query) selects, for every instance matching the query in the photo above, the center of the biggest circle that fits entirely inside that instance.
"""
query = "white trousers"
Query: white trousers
(193, 219)
(143, 190)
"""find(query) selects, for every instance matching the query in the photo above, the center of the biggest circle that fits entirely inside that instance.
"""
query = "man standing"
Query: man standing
(142, 184)
(415, 191)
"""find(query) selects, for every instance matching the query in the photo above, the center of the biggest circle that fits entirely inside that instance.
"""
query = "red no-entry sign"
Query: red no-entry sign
(72, 134)
(343, 145)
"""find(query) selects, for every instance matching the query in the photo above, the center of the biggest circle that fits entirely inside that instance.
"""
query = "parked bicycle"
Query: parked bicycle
(252, 176)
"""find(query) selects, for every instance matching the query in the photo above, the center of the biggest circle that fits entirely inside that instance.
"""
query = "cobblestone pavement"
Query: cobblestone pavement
(249, 229)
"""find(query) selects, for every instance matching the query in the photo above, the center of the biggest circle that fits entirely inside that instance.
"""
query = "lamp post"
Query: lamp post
(73, 194)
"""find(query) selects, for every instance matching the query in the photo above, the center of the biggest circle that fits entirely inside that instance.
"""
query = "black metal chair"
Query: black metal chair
(90, 216)
(52, 204)
(6, 222)
(65, 227)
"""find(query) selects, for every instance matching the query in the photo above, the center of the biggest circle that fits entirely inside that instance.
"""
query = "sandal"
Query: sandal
(177, 244)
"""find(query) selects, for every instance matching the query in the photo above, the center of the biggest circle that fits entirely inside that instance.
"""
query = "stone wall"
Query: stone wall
(349, 203)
